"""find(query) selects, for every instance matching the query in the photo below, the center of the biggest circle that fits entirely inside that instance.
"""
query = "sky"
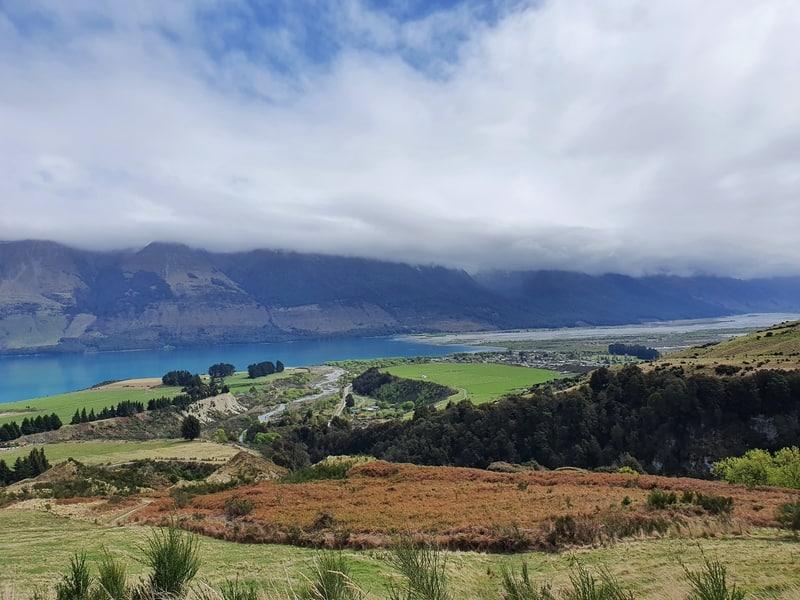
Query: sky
(630, 136)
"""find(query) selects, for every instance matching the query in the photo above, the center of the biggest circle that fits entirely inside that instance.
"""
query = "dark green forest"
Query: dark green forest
(672, 422)
(399, 390)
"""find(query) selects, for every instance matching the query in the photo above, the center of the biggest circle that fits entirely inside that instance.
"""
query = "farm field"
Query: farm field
(65, 405)
(240, 383)
(479, 382)
(116, 451)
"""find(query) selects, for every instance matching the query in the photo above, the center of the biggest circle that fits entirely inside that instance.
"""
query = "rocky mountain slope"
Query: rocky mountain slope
(56, 298)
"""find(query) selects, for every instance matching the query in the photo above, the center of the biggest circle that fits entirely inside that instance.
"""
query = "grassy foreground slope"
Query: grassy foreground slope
(479, 382)
(39, 551)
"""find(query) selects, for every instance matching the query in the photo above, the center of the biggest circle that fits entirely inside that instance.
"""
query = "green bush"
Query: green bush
(788, 516)
(759, 467)
(660, 499)
(716, 505)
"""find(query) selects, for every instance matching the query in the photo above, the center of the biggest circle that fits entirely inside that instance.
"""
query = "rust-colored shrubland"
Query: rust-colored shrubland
(463, 508)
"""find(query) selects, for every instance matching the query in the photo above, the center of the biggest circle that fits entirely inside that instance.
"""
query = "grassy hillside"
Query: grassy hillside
(775, 348)
(478, 382)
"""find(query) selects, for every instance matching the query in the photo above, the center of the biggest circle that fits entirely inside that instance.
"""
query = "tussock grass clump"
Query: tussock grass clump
(331, 580)
(174, 557)
(75, 584)
(586, 587)
(711, 582)
(233, 589)
(112, 580)
(423, 571)
(522, 588)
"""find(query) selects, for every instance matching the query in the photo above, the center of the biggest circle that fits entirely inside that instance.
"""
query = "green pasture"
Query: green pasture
(38, 545)
(240, 383)
(116, 451)
(479, 382)
(65, 405)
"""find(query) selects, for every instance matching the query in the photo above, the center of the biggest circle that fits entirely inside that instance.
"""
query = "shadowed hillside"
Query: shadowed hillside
(56, 298)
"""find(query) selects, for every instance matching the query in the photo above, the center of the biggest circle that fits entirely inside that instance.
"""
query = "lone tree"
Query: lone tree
(190, 428)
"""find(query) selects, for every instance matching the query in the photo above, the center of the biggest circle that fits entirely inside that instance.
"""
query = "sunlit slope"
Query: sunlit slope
(775, 348)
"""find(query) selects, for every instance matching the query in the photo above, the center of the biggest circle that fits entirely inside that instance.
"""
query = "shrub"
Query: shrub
(759, 467)
(716, 505)
(659, 499)
(235, 507)
(180, 497)
(788, 516)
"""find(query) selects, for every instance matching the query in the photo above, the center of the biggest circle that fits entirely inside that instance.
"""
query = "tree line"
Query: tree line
(264, 368)
(11, 431)
(125, 408)
(669, 422)
(637, 350)
(30, 466)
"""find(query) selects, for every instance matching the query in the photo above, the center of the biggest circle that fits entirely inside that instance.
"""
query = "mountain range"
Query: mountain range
(62, 299)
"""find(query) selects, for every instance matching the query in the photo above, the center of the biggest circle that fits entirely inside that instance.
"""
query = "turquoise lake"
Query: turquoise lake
(27, 377)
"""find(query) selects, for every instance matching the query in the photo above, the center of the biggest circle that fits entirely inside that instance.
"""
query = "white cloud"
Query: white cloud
(624, 135)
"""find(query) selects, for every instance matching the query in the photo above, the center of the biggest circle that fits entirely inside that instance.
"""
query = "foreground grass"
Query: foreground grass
(763, 562)
(115, 451)
(479, 381)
